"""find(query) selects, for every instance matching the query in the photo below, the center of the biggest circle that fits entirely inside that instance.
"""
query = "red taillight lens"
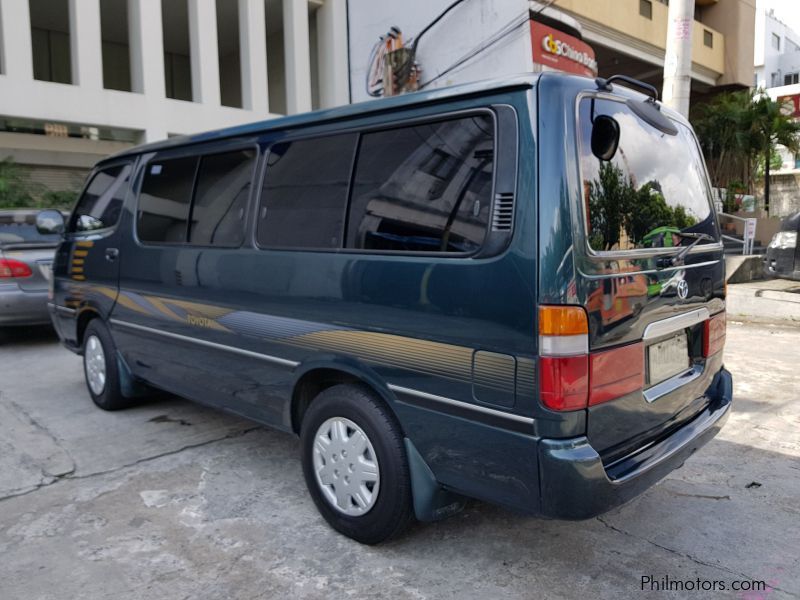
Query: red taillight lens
(616, 372)
(714, 335)
(13, 269)
(564, 382)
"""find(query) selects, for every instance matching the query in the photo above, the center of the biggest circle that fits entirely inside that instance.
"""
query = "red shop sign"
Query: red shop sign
(560, 51)
(792, 103)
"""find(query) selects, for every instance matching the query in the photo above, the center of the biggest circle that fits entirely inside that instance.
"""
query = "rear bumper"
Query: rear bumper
(574, 483)
(22, 308)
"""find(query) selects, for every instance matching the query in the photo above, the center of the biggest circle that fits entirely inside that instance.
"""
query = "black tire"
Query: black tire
(110, 397)
(392, 511)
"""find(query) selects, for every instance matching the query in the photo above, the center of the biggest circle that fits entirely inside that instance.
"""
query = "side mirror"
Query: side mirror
(605, 137)
(50, 222)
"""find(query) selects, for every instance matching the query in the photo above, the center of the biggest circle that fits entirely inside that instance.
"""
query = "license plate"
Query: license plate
(46, 269)
(667, 358)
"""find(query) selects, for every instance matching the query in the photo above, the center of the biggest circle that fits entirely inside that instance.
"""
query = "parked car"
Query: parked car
(26, 257)
(783, 253)
(406, 285)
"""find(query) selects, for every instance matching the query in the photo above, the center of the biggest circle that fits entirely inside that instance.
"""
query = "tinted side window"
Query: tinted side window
(164, 200)
(423, 188)
(101, 204)
(304, 197)
(220, 200)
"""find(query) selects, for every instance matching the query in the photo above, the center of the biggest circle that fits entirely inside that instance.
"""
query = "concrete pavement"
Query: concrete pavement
(172, 500)
(765, 301)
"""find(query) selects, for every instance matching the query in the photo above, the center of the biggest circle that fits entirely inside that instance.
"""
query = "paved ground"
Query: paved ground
(765, 300)
(175, 501)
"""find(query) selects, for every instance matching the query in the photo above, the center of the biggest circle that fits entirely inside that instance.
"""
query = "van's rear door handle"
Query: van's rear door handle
(112, 254)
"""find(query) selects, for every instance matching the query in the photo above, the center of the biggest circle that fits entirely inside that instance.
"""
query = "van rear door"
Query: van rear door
(649, 273)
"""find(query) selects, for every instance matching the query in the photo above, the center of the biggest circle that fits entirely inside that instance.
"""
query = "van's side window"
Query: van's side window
(423, 188)
(304, 196)
(101, 204)
(163, 212)
(220, 199)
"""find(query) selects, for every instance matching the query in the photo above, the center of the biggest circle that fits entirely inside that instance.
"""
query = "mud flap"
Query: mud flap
(129, 385)
(431, 501)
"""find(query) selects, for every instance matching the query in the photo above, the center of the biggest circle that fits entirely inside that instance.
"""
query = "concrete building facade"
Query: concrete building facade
(777, 52)
(80, 79)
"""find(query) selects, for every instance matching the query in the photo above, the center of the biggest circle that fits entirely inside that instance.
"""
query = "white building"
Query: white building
(80, 79)
(777, 52)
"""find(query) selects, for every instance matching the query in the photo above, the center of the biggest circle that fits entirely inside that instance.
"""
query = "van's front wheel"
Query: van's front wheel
(355, 464)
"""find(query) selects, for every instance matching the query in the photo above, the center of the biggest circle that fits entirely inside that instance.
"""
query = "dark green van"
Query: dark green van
(511, 291)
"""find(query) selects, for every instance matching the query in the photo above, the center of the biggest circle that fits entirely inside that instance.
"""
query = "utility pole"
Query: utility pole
(678, 60)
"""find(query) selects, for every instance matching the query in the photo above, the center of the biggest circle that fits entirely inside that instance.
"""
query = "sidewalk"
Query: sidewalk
(769, 300)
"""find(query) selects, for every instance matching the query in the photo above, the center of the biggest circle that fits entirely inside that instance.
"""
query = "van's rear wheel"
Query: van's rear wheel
(100, 368)
(355, 464)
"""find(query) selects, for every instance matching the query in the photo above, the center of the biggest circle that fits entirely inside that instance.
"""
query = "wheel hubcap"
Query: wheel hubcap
(94, 362)
(346, 466)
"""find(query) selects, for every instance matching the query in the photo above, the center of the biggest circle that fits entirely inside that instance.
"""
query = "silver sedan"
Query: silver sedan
(26, 258)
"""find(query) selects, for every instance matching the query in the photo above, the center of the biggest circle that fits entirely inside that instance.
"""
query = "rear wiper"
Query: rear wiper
(678, 259)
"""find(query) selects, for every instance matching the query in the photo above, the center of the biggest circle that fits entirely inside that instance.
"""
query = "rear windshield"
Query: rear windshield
(652, 189)
(20, 228)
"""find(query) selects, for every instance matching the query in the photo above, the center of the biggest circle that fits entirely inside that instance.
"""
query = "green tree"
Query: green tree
(17, 191)
(738, 132)
(773, 125)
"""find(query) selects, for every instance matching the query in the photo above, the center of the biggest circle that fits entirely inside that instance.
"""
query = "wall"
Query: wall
(768, 60)
(734, 19)
(458, 34)
(784, 194)
(623, 16)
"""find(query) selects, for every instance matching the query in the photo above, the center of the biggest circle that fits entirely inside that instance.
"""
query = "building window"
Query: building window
(177, 55)
(708, 38)
(791, 78)
(425, 188)
(115, 45)
(304, 197)
(50, 40)
(774, 80)
(646, 9)
(228, 53)
(776, 41)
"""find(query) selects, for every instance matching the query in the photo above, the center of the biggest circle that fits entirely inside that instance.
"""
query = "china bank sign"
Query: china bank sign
(557, 50)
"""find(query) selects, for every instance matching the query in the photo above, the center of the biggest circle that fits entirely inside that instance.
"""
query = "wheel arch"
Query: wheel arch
(84, 317)
(313, 378)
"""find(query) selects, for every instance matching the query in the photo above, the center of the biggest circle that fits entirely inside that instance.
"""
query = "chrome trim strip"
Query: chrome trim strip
(647, 271)
(676, 323)
(673, 383)
(458, 403)
(64, 309)
(184, 338)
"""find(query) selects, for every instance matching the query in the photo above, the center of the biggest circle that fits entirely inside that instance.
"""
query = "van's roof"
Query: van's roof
(527, 80)
(521, 81)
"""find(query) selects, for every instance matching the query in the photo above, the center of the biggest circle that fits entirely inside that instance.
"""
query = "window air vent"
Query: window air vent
(503, 216)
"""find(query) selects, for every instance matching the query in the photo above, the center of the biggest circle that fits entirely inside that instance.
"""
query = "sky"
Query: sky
(787, 11)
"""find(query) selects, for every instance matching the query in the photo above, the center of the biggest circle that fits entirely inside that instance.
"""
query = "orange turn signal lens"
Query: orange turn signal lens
(563, 320)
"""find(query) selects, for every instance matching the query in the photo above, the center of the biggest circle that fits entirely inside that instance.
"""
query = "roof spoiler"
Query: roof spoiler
(648, 111)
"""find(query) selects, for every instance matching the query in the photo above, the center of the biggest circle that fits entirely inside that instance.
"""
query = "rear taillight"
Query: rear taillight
(714, 334)
(13, 269)
(569, 377)
(614, 373)
(564, 357)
